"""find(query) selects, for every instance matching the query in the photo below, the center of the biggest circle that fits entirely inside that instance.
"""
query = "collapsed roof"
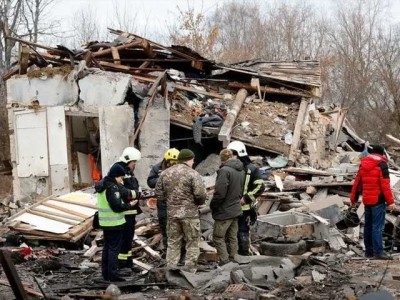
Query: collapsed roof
(270, 107)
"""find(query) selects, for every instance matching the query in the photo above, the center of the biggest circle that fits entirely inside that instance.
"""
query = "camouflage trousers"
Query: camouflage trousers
(225, 238)
(180, 230)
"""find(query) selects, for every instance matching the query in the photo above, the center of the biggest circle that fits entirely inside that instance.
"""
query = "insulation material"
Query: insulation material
(43, 224)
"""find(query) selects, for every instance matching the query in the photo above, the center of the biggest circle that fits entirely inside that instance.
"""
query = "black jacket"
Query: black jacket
(114, 193)
(225, 203)
(130, 184)
(154, 175)
(256, 184)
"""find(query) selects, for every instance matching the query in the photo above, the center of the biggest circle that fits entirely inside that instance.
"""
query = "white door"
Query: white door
(58, 150)
(31, 143)
(41, 147)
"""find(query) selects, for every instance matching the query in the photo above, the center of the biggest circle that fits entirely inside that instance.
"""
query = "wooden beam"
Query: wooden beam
(23, 59)
(146, 248)
(114, 66)
(12, 275)
(196, 91)
(57, 214)
(142, 66)
(65, 210)
(27, 289)
(51, 217)
(115, 55)
(148, 50)
(226, 129)
(109, 50)
(75, 203)
(297, 130)
(393, 139)
(35, 45)
(270, 90)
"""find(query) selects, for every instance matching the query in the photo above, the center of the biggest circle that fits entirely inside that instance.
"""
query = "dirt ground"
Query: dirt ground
(64, 272)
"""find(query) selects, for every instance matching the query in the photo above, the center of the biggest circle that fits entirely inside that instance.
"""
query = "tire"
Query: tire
(282, 249)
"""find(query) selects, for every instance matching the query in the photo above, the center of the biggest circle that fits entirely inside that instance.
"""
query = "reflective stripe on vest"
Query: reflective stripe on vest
(246, 186)
(107, 217)
(130, 212)
(125, 256)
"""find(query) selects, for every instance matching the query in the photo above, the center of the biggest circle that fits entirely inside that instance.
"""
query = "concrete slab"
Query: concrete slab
(153, 139)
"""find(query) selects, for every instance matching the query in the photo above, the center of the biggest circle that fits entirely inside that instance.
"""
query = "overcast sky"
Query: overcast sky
(155, 16)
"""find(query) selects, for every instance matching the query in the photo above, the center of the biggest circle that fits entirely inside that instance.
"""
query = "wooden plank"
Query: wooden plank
(92, 251)
(109, 50)
(143, 265)
(274, 207)
(226, 130)
(146, 248)
(114, 66)
(393, 139)
(65, 210)
(309, 171)
(75, 202)
(115, 55)
(12, 275)
(297, 130)
(143, 65)
(66, 216)
(264, 207)
(51, 217)
(26, 288)
(304, 184)
(196, 91)
(23, 59)
(270, 90)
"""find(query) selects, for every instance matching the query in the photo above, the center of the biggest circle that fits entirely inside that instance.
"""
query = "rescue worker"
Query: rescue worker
(112, 220)
(170, 159)
(253, 187)
(225, 206)
(128, 161)
(373, 183)
(183, 189)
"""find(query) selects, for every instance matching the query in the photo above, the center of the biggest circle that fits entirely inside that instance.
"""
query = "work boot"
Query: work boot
(181, 261)
(384, 256)
(118, 279)
(223, 262)
(368, 255)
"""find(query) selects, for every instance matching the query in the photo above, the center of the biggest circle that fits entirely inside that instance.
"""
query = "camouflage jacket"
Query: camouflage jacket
(183, 189)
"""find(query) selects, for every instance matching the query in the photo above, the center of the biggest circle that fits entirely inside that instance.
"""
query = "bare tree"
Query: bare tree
(10, 14)
(125, 16)
(36, 20)
(193, 32)
(85, 28)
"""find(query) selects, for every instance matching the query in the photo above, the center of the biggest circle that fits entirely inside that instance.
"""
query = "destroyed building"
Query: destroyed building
(70, 110)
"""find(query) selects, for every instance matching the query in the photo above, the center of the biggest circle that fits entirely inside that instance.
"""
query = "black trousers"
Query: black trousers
(162, 221)
(125, 254)
(109, 261)
(244, 233)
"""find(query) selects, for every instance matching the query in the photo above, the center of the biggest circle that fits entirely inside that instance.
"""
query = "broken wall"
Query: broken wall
(39, 152)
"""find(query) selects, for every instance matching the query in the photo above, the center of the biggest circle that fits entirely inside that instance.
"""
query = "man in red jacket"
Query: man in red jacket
(373, 183)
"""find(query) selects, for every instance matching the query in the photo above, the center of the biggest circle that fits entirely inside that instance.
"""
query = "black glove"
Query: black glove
(252, 218)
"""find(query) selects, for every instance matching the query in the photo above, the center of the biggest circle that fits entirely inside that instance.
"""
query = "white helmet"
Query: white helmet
(130, 154)
(239, 147)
